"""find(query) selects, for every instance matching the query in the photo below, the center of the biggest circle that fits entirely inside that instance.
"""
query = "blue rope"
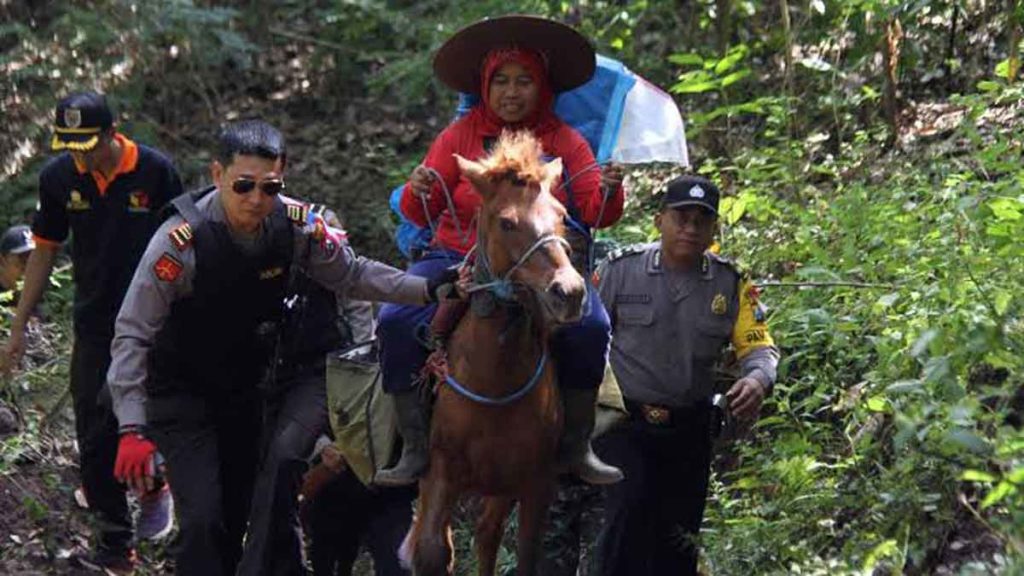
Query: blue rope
(504, 400)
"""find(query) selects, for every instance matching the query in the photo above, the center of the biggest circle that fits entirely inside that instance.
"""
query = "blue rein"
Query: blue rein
(503, 400)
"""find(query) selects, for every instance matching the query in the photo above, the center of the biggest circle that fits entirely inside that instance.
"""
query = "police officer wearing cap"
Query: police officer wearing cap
(197, 337)
(104, 190)
(674, 306)
(16, 245)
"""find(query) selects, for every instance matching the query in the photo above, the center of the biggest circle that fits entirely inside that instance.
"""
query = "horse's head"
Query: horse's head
(521, 234)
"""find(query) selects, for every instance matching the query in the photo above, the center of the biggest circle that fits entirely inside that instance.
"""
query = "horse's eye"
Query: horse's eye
(508, 225)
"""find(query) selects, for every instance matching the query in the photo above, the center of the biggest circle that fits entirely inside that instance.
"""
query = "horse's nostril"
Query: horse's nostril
(558, 291)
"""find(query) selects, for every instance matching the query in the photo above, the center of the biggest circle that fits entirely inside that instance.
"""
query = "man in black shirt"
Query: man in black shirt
(105, 190)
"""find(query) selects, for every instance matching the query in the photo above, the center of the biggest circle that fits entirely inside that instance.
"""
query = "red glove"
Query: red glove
(134, 458)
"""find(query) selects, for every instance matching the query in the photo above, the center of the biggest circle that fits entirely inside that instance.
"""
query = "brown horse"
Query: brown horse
(497, 419)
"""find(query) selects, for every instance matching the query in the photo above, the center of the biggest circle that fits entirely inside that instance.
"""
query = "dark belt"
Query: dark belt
(658, 415)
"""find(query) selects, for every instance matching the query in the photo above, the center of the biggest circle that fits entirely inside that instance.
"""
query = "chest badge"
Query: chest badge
(138, 201)
(76, 203)
(718, 305)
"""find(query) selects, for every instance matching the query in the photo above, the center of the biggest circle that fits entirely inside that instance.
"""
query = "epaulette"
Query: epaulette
(297, 213)
(181, 236)
(727, 262)
(631, 250)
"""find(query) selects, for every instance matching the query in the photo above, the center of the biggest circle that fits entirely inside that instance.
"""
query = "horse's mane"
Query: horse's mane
(515, 155)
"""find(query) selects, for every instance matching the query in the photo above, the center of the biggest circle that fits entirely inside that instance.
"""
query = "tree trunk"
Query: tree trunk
(1014, 60)
(947, 64)
(787, 78)
(891, 59)
(723, 25)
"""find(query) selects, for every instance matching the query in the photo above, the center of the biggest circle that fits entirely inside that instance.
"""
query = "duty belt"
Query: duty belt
(658, 415)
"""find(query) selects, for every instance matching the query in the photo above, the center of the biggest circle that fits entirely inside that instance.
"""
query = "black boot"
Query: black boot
(575, 455)
(414, 425)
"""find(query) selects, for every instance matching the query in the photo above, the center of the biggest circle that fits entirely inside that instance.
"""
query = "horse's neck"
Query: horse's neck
(504, 345)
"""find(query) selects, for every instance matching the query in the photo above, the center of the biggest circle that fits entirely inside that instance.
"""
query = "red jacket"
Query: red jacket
(466, 137)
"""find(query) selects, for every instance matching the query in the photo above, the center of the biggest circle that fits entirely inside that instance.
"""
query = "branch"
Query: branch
(823, 285)
(311, 40)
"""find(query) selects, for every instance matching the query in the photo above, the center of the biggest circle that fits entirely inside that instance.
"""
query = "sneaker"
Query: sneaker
(156, 514)
(111, 562)
(81, 499)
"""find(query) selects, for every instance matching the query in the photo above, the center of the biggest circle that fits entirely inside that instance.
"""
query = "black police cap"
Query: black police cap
(80, 119)
(17, 240)
(691, 191)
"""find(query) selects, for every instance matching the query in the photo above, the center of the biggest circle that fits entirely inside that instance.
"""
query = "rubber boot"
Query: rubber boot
(414, 426)
(576, 456)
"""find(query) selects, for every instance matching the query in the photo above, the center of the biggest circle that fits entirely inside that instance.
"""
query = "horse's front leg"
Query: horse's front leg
(433, 554)
(489, 530)
(533, 508)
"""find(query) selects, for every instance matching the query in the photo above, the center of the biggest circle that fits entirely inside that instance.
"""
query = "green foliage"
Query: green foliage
(893, 418)
(897, 419)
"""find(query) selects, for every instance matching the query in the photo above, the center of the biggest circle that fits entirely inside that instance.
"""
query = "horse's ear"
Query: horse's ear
(552, 171)
(475, 173)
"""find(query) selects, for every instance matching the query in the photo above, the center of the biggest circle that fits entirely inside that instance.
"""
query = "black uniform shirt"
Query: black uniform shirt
(110, 221)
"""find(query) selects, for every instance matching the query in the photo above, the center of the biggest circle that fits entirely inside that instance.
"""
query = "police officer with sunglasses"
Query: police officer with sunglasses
(197, 335)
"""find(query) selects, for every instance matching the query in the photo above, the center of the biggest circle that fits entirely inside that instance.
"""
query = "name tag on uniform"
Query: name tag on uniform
(632, 298)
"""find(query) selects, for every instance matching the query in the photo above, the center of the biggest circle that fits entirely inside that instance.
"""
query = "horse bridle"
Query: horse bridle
(503, 287)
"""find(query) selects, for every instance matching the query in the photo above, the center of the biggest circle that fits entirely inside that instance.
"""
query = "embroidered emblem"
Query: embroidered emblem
(760, 312)
(297, 213)
(754, 293)
(696, 192)
(319, 232)
(759, 309)
(718, 305)
(181, 236)
(72, 117)
(168, 268)
(138, 201)
(271, 273)
(76, 203)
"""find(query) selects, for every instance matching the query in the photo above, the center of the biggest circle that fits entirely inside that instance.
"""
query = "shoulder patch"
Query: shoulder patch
(168, 268)
(181, 236)
(297, 213)
(630, 250)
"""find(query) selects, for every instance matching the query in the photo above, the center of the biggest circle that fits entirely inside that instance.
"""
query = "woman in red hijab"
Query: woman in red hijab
(516, 70)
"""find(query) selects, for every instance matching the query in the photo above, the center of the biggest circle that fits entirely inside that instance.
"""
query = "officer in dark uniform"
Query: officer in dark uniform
(674, 307)
(105, 190)
(196, 336)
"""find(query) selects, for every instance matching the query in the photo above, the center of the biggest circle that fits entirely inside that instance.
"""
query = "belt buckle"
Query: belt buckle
(656, 415)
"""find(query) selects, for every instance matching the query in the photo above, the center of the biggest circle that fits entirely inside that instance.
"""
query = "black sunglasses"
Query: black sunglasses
(268, 187)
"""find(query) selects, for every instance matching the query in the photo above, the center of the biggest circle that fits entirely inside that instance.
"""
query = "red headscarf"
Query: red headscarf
(542, 119)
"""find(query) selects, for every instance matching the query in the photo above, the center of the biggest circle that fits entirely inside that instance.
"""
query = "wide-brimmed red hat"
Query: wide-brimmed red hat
(569, 56)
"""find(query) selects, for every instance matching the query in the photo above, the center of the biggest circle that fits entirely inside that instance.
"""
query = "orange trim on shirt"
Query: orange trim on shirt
(44, 241)
(129, 159)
